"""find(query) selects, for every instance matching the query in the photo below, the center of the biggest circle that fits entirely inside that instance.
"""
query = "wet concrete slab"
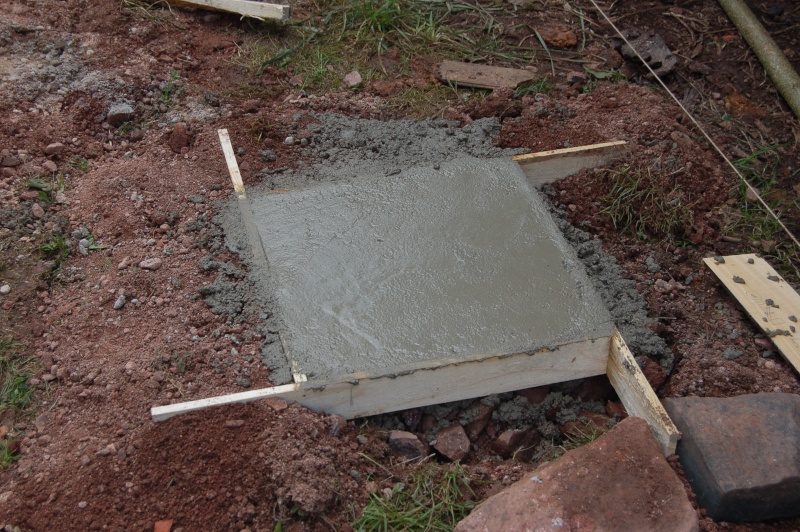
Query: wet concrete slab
(462, 260)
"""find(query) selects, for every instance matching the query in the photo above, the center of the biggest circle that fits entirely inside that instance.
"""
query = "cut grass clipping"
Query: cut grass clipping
(431, 498)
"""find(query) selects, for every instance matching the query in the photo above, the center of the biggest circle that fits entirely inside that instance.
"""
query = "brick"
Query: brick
(740, 454)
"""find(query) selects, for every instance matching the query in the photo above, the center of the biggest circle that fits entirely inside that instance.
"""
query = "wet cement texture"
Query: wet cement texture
(448, 260)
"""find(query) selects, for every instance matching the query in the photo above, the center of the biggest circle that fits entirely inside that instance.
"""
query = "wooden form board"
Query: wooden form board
(637, 396)
(247, 8)
(482, 76)
(547, 166)
(766, 296)
(434, 382)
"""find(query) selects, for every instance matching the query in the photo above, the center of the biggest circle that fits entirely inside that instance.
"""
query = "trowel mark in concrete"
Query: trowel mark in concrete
(429, 264)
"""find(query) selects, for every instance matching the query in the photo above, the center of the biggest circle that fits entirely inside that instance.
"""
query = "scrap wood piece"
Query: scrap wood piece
(766, 296)
(422, 384)
(247, 8)
(548, 166)
(482, 76)
(637, 396)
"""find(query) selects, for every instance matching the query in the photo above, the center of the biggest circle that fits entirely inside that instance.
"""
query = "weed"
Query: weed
(432, 498)
(543, 86)
(420, 103)
(578, 437)
(15, 370)
(55, 249)
(171, 88)
(45, 189)
(79, 163)
(181, 361)
(7, 455)
(754, 222)
(639, 203)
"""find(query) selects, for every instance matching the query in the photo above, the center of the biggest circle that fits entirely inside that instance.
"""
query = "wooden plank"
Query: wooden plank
(637, 396)
(482, 76)
(548, 166)
(766, 296)
(445, 380)
(246, 8)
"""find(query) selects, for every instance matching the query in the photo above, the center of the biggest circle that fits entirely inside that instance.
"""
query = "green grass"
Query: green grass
(431, 498)
(79, 163)
(542, 86)
(7, 457)
(638, 203)
(56, 249)
(15, 370)
(754, 222)
(170, 90)
(578, 437)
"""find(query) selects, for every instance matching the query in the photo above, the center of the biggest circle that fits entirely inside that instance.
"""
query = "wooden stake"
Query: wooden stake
(245, 8)
(482, 76)
(637, 396)
(548, 166)
(766, 296)
(428, 383)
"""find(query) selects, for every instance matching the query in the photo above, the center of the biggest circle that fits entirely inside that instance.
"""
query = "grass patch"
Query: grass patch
(754, 222)
(170, 89)
(7, 455)
(55, 248)
(431, 498)
(420, 103)
(640, 204)
(15, 370)
(578, 437)
(543, 86)
(79, 163)
(347, 35)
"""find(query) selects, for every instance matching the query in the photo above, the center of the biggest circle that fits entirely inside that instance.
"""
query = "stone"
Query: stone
(452, 442)
(559, 36)
(479, 415)
(5, 289)
(150, 264)
(119, 113)
(37, 210)
(50, 166)
(516, 443)
(616, 409)
(54, 149)
(655, 374)
(276, 403)
(535, 395)
(406, 444)
(10, 161)
(338, 424)
(163, 526)
(593, 389)
(621, 481)
(120, 302)
(353, 79)
(179, 138)
(741, 454)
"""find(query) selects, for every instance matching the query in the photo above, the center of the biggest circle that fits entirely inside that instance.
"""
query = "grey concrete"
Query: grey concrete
(427, 264)
(741, 454)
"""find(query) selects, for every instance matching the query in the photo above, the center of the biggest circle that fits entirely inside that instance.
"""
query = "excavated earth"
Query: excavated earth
(153, 306)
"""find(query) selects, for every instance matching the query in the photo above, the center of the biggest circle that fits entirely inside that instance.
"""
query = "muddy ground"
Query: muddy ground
(110, 154)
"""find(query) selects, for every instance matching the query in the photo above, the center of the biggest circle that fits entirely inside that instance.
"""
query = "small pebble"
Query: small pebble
(289, 140)
(83, 504)
(5, 289)
(120, 302)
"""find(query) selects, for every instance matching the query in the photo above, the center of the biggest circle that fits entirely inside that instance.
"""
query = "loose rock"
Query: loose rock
(119, 113)
(54, 148)
(37, 210)
(618, 482)
(406, 444)
(150, 264)
(452, 442)
(179, 138)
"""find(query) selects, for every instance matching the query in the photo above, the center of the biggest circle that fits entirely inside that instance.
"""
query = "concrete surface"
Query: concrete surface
(741, 454)
(426, 264)
(621, 481)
